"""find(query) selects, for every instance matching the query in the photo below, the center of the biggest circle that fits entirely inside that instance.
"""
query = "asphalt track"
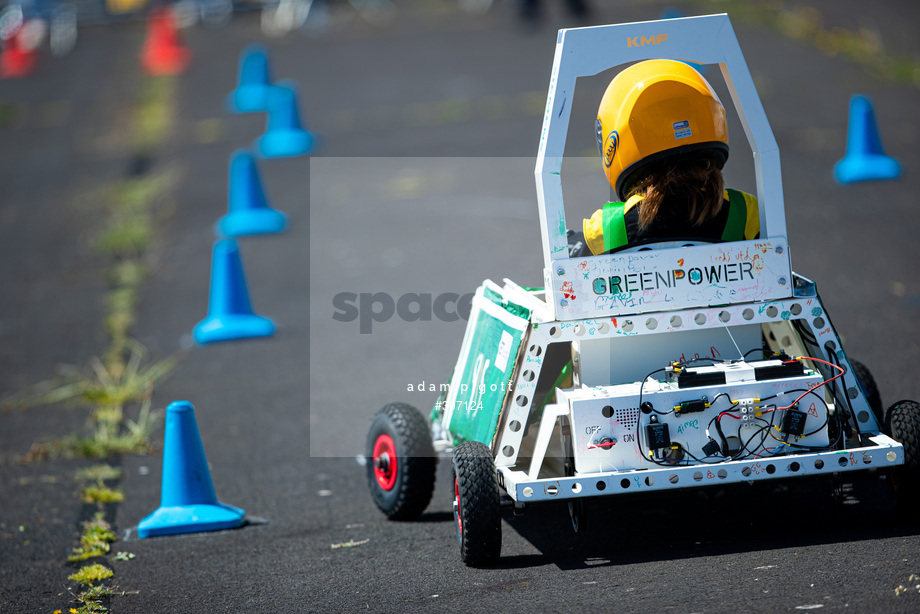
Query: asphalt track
(424, 185)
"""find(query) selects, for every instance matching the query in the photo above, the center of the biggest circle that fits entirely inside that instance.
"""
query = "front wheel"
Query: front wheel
(903, 422)
(477, 512)
(401, 461)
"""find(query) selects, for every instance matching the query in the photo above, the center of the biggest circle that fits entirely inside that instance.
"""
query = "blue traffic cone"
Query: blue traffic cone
(230, 314)
(253, 81)
(284, 136)
(187, 500)
(249, 213)
(865, 158)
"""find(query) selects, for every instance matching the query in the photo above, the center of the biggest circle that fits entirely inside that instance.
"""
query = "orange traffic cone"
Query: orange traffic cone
(15, 59)
(163, 52)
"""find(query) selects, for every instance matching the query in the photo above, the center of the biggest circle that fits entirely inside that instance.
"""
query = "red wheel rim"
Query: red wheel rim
(457, 507)
(385, 464)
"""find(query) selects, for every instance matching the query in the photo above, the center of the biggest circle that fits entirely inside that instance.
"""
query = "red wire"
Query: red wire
(824, 383)
(601, 445)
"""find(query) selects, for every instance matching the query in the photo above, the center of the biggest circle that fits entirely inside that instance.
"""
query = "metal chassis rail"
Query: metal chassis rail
(885, 453)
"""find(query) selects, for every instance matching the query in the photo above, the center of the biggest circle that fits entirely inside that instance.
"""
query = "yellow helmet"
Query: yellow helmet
(654, 110)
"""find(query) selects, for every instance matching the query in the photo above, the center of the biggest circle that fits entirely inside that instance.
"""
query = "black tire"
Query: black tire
(578, 508)
(477, 513)
(869, 386)
(401, 461)
(903, 422)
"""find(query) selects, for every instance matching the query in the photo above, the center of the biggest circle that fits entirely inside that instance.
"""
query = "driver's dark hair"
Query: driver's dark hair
(687, 187)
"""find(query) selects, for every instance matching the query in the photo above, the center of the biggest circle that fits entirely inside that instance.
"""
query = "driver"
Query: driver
(663, 140)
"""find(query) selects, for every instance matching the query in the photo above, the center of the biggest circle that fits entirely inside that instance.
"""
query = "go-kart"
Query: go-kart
(677, 365)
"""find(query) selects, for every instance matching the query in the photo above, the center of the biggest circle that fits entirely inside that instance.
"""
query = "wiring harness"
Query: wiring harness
(773, 426)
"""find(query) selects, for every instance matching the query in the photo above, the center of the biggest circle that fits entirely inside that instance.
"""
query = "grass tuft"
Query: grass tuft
(121, 376)
(101, 495)
(131, 437)
(127, 236)
(154, 114)
(116, 383)
(128, 274)
(90, 574)
(98, 474)
(95, 540)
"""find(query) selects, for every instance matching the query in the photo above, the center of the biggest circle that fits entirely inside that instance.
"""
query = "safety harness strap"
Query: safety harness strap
(614, 226)
(737, 217)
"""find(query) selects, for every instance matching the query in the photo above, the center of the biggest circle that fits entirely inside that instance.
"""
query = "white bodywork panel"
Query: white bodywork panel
(668, 279)
(608, 435)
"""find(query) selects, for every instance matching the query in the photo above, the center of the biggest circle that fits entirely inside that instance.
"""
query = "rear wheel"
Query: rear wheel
(869, 386)
(903, 422)
(477, 514)
(401, 461)
(578, 508)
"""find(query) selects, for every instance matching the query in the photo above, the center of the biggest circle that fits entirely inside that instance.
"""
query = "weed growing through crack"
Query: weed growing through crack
(98, 474)
(101, 495)
(107, 393)
(126, 238)
(121, 376)
(90, 574)
(131, 220)
(92, 595)
(95, 541)
(153, 119)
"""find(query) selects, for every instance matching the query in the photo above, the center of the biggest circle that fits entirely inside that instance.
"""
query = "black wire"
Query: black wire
(827, 414)
(639, 418)
(722, 394)
(764, 431)
(688, 453)
(833, 359)
(642, 386)
(830, 445)
(804, 333)
(702, 460)
(701, 358)
(760, 349)
(718, 420)
(724, 449)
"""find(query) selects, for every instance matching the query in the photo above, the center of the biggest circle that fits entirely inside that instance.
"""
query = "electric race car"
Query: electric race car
(676, 365)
